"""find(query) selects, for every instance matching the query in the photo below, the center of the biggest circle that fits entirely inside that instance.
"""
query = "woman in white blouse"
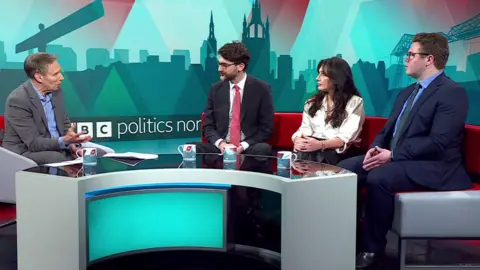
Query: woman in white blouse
(332, 118)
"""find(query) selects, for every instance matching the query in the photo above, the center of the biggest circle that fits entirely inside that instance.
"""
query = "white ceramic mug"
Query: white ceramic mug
(89, 155)
(188, 151)
(284, 159)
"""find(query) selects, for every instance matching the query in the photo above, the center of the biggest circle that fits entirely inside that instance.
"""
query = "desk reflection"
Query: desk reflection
(310, 168)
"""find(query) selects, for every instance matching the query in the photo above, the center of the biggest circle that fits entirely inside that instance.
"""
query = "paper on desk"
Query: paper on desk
(65, 163)
(131, 155)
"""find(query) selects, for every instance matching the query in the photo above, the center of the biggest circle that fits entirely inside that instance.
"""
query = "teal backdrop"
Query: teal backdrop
(137, 73)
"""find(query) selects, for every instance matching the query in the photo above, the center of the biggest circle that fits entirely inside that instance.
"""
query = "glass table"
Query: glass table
(120, 207)
(260, 164)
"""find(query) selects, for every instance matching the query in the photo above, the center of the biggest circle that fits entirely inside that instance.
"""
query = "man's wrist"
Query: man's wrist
(218, 142)
(61, 143)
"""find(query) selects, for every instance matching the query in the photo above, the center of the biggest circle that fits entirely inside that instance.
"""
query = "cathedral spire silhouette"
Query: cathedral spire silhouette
(211, 34)
(211, 62)
(256, 23)
(256, 36)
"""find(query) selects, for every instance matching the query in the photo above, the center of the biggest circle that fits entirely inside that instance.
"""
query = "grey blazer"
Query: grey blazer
(26, 126)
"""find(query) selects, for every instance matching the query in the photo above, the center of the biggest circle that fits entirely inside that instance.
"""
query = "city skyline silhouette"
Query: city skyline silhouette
(180, 87)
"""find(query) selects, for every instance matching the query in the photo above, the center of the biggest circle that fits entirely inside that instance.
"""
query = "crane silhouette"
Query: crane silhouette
(72, 22)
(466, 30)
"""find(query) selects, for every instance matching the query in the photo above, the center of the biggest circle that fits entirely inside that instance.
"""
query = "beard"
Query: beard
(227, 77)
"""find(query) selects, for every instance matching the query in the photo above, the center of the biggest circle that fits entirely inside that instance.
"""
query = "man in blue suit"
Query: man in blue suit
(420, 146)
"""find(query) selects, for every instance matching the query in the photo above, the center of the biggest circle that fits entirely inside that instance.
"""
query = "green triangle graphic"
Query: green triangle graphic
(192, 99)
(114, 99)
(73, 104)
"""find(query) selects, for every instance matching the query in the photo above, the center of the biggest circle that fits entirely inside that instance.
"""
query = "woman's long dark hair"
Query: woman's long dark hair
(340, 74)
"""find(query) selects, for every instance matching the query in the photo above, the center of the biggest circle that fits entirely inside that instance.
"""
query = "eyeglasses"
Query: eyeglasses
(411, 55)
(225, 65)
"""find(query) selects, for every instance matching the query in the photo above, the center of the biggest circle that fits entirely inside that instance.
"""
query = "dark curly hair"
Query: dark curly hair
(235, 52)
(341, 76)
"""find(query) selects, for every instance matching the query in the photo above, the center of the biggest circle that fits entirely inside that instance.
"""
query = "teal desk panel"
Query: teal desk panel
(155, 219)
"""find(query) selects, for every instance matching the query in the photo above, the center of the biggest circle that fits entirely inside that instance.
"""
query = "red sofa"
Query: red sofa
(285, 124)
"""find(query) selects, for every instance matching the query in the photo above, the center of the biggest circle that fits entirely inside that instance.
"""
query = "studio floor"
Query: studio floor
(440, 252)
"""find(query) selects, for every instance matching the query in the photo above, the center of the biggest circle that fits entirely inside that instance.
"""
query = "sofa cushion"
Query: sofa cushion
(370, 128)
(284, 125)
(437, 214)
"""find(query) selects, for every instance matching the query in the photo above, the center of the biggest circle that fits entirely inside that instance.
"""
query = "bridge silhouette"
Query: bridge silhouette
(466, 30)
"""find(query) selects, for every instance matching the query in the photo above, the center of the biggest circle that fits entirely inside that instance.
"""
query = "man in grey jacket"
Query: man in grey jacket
(36, 123)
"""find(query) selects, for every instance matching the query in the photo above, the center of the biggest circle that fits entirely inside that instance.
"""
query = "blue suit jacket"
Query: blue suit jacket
(430, 144)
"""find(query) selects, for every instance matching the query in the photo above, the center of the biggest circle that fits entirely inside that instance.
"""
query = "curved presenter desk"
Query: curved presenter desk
(72, 217)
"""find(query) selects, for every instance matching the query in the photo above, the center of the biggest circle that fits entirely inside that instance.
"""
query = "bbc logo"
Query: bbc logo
(102, 129)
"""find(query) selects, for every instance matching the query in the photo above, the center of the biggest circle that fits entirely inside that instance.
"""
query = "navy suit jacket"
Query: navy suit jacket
(430, 144)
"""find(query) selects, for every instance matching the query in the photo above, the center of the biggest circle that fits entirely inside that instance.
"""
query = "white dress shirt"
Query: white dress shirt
(241, 85)
(348, 131)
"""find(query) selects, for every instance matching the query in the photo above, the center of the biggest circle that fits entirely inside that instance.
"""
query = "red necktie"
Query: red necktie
(235, 123)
